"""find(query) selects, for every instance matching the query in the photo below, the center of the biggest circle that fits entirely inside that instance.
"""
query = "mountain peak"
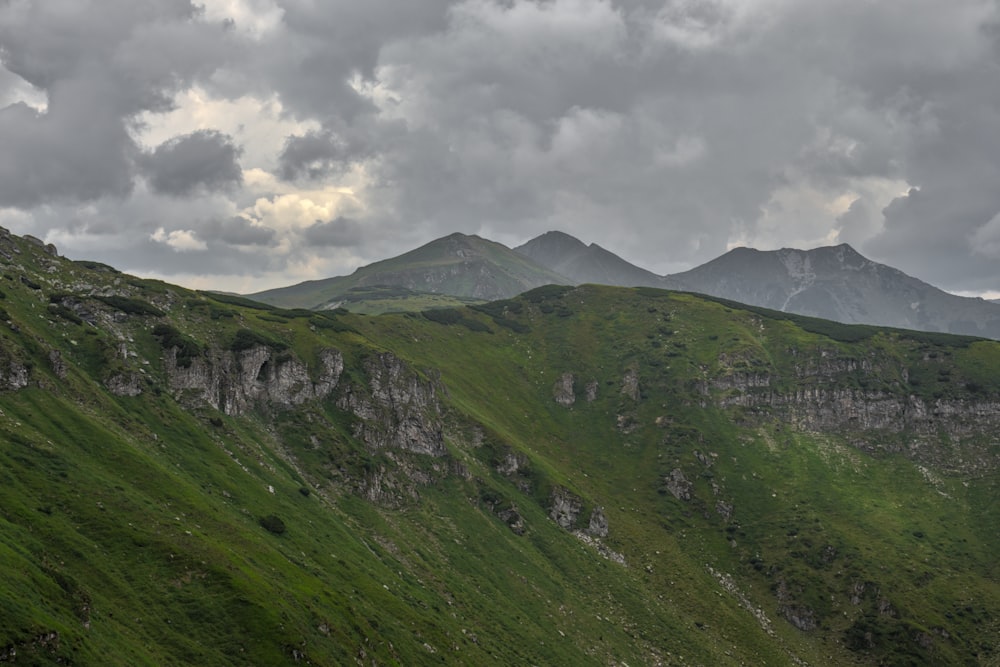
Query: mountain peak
(582, 263)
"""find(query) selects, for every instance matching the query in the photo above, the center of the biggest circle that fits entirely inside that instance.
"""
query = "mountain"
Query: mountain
(578, 475)
(456, 265)
(835, 283)
(838, 283)
(570, 257)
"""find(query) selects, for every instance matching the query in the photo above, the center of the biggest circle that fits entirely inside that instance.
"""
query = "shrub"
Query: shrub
(272, 524)
(444, 316)
(62, 311)
(96, 266)
(234, 300)
(545, 292)
(131, 306)
(170, 337)
(246, 339)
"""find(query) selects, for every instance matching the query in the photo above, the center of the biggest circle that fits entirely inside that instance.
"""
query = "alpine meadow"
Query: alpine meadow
(579, 475)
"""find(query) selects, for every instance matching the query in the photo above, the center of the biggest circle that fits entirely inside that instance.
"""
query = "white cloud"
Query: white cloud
(181, 240)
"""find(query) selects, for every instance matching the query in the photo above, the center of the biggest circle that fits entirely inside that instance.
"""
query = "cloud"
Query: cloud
(318, 154)
(99, 65)
(293, 137)
(339, 232)
(181, 240)
(202, 161)
(237, 231)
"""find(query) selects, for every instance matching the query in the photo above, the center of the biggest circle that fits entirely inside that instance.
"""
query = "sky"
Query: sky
(246, 144)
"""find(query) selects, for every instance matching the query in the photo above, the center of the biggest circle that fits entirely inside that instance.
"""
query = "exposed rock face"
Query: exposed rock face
(598, 526)
(512, 517)
(57, 363)
(824, 397)
(46, 247)
(799, 615)
(13, 374)
(124, 384)
(563, 390)
(398, 410)
(630, 384)
(564, 507)
(591, 391)
(512, 463)
(234, 381)
(678, 485)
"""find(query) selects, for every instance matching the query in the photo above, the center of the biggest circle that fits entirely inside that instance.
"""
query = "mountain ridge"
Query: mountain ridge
(838, 283)
(832, 282)
(583, 263)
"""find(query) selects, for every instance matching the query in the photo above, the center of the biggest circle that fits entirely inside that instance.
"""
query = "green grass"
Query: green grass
(143, 530)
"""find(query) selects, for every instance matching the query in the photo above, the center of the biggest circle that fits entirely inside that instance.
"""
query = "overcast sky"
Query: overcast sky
(247, 144)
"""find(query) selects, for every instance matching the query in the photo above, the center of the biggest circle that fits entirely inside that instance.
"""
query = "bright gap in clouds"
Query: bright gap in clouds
(253, 18)
(258, 126)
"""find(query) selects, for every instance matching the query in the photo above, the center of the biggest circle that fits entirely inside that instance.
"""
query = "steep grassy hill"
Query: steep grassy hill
(457, 266)
(575, 476)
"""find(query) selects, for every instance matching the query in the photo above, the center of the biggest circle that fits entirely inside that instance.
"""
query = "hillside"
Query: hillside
(585, 476)
(838, 283)
(457, 265)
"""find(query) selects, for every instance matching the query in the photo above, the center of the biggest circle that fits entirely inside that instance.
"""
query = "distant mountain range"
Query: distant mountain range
(835, 283)
(457, 265)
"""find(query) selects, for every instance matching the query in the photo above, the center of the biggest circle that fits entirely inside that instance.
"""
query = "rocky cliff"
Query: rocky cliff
(234, 382)
(821, 394)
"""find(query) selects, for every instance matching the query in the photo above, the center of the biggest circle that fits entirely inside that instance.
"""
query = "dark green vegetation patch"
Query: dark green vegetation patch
(131, 306)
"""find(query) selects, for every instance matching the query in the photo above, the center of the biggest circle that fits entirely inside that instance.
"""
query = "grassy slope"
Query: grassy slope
(130, 525)
(809, 511)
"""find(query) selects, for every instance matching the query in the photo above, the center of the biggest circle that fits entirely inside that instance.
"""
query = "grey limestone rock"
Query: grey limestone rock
(598, 526)
(678, 485)
(398, 409)
(562, 391)
(233, 382)
(630, 384)
(124, 384)
(564, 507)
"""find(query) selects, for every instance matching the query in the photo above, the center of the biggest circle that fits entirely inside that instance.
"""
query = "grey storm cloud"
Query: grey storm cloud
(665, 130)
(339, 232)
(99, 65)
(237, 231)
(323, 153)
(205, 160)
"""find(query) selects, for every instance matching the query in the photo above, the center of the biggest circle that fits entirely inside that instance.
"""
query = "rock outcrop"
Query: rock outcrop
(823, 395)
(234, 382)
(398, 409)
(598, 526)
(563, 392)
(564, 507)
(13, 374)
(678, 485)
(124, 384)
